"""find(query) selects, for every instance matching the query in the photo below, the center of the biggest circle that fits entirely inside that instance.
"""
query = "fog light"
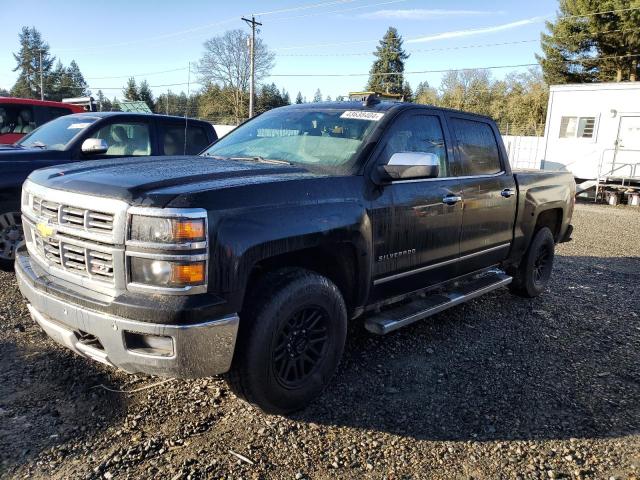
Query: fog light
(144, 344)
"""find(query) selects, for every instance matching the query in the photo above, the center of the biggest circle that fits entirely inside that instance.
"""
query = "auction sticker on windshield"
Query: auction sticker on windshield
(77, 126)
(361, 115)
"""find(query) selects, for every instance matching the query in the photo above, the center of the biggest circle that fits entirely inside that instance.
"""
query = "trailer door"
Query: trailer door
(626, 162)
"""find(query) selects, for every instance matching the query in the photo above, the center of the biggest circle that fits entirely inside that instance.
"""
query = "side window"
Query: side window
(172, 139)
(197, 139)
(25, 120)
(577, 127)
(417, 133)
(55, 112)
(126, 139)
(477, 146)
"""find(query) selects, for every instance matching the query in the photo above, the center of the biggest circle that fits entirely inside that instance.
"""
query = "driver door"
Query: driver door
(416, 244)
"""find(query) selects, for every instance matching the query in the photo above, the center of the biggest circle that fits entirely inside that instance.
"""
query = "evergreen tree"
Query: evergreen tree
(269, 97)
(317, 97)
(425, 94)
(286, 97)
(340, 98)
(299, 99)
(130, 91)
(4, 93)
(579, 45)
(104, 104)
(28, 64)
(78, 82)
(145, 94)
(390, 57)
(115, 105)
(67, 82)
(407, 93)
(328, 99)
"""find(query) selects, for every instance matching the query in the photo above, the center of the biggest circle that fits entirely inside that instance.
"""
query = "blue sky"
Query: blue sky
(115, 39)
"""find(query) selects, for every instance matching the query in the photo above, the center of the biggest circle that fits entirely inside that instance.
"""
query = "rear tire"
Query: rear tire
(533, 274)
(11, 235)
(290, 342)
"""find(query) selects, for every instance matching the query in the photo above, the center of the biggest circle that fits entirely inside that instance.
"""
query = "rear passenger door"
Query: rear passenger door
(488, 192)
(172, 141)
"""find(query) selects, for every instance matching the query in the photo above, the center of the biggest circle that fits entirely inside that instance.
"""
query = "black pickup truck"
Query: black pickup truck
(250, 259)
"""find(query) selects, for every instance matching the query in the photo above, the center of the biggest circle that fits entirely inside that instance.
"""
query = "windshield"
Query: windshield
(328, 139)
(56, 134)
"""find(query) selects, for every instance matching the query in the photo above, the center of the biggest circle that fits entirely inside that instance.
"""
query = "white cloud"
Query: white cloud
(475, 31)
(422, 14)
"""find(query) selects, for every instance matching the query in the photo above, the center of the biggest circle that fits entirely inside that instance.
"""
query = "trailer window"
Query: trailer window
(577, 127)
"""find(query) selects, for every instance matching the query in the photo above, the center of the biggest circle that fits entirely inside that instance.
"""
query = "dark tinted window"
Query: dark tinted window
(172, 139)
(15, 118)
(55, 112)
(477, 146)
(417, 133)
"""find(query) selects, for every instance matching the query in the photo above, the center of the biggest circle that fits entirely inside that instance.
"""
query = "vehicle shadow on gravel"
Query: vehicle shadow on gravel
(501, 367)
(46, 398)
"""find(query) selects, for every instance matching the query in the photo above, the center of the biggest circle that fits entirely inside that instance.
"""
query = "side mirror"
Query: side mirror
(94, 146)
(410, 165)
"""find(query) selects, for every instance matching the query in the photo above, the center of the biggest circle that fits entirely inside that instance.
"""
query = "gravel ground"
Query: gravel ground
(501, 387)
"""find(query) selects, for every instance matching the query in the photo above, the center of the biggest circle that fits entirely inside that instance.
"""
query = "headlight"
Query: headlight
(167, 273)
(167, 230)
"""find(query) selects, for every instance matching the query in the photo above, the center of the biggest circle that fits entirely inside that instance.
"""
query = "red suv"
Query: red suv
(19, 116)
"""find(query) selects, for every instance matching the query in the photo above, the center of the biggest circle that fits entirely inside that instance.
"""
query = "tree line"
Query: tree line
(590, 41)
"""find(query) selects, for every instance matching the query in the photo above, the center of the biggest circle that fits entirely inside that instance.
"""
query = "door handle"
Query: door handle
(507, 192)
(451, 199)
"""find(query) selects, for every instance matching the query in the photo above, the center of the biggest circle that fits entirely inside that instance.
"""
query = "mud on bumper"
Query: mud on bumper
(185, 351)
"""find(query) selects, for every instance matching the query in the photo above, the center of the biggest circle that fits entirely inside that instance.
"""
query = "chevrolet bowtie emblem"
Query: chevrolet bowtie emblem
(45, 230)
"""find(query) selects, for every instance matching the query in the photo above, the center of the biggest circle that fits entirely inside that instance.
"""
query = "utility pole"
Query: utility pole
(252, 56)
(41, 81)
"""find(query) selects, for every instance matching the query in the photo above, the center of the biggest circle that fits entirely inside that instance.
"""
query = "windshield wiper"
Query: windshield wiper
(256, 158)
(38, 144)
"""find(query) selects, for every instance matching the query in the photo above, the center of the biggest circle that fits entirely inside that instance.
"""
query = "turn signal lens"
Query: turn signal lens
(189, 273)
(188, 230)
(166, 273)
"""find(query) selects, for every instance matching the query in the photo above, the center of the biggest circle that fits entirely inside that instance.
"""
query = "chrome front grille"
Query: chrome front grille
(79, 238)
(89, 220)
(75, 255)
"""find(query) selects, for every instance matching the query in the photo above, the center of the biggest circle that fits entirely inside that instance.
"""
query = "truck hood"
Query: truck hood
(155, 181)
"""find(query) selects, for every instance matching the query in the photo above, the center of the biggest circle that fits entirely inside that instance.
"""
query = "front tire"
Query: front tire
(11, 235)
(533, 274)
(290, 343)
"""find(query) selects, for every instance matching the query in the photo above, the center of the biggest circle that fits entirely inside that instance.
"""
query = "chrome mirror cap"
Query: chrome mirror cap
(411, 165)
(94, 146)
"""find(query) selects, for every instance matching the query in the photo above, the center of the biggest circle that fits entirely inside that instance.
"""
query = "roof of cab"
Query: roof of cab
(134, 114)
(381, 106)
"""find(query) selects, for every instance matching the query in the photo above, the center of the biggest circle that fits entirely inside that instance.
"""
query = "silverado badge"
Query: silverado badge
(45, 230)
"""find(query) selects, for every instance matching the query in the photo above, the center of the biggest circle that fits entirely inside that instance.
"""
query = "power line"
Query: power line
(360, 7)
(461, 47)
(304, 7)
(138, 74)
(355, 42)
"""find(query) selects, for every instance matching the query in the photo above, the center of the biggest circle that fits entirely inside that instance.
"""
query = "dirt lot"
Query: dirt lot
(499, 388)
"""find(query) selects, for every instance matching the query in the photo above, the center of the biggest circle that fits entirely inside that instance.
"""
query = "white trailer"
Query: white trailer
(593, 130)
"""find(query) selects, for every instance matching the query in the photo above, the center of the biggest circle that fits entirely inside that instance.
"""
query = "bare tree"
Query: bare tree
(225, 62)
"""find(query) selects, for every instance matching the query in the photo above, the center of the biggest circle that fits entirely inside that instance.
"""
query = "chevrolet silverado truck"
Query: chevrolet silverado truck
(250, 259)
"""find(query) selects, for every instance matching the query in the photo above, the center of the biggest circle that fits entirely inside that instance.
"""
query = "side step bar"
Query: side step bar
(403, 315)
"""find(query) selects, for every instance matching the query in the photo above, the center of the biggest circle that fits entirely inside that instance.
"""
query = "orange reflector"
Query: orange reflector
(188, 230)
(188, 273)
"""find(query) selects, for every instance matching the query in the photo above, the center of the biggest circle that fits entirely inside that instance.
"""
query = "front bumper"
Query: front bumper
(196, 349)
